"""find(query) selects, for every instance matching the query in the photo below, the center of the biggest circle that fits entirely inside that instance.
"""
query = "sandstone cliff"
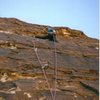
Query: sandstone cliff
(21, 77)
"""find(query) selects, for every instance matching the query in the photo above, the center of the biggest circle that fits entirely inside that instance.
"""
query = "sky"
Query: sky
(76, 14)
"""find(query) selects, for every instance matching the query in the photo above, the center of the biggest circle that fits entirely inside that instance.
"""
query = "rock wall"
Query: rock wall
(21, 75)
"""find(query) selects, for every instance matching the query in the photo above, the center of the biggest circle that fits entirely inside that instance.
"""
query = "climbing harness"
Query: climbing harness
(53, 95)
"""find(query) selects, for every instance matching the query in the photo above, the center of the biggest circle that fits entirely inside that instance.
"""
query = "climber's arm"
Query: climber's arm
(42, 37)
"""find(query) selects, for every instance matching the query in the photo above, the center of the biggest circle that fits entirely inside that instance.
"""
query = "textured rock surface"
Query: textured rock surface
(21, 77)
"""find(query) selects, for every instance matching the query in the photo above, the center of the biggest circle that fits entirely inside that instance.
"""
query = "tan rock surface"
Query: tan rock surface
(77, 63)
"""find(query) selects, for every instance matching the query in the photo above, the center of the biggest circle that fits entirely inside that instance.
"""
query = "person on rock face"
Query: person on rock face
(51, 35)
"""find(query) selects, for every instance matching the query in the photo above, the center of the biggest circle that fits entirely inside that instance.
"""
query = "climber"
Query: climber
(51, 35)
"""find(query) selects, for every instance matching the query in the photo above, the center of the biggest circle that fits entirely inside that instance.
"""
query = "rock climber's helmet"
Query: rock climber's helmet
(51, 30)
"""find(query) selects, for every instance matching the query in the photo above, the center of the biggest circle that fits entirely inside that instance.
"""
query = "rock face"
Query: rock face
(21, 75)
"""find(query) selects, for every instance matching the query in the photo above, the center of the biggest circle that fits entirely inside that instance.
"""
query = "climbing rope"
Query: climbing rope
(42, 67)
(55, 69)
(53, 95)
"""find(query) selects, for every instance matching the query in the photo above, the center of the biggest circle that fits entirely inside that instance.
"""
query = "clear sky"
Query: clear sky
(76, 14)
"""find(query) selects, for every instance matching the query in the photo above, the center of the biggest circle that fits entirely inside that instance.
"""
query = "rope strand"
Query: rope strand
(55, 69)
(44, 73)
(53, 95)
